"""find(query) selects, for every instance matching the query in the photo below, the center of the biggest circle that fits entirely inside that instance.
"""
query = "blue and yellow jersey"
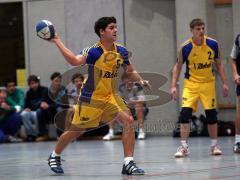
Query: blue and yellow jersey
(199, 59)
(103, 69)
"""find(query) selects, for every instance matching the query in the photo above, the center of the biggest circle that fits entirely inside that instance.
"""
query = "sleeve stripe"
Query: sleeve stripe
(85, 51)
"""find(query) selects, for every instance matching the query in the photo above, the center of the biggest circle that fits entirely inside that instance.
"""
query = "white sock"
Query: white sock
(237, 138)
(213, 142)
(184, 143)
(54, 154)
(127, 160)
(111, 131)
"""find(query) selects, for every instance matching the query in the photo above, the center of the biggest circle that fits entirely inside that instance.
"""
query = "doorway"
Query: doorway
(11, 40)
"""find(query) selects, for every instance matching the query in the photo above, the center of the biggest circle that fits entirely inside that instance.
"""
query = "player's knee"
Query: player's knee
(211, 116)
(129, 121)
(74, 134)
(185, 115)
(128, 124)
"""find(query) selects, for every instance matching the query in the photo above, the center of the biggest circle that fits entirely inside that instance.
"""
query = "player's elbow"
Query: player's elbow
(175, 69)
(75, 62)
(219, 65)
(130, 69)
(233, 61)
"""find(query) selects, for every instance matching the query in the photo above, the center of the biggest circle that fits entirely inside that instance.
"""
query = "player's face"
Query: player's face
(11, 87)
(110, 33)
(198, 32)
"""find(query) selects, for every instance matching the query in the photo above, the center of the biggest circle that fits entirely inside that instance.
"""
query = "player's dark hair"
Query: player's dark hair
(102, 23)
(196, 22)
(55, 75)
(77, 75)
(33, 78)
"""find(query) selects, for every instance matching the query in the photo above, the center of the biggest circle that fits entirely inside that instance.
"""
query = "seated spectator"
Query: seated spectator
(9, 120)
(77, 80)
(33, 112)
(58, 101)
(132, 93)
(15, 96)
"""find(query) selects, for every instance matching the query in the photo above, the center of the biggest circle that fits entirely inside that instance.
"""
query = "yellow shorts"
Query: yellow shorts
(194, 91)
(89, 115)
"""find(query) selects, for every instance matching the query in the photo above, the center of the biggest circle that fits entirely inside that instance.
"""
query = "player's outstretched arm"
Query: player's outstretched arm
(223, 77)
(134, 76)
(67, 53)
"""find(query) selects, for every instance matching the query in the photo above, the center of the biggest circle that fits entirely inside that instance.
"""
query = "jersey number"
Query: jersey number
(210, 55)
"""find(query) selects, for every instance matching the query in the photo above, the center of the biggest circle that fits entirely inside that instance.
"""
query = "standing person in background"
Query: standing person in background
(235, 62)
(199, 53)
(133, 95)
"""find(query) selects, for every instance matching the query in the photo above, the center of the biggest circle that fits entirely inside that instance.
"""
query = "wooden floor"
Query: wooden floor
(96, 159)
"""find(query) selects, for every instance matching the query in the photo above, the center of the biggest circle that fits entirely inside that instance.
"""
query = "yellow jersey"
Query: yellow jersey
(103, 69)
(199, 59)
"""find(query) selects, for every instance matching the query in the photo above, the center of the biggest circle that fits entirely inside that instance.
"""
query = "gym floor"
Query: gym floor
(96, 159)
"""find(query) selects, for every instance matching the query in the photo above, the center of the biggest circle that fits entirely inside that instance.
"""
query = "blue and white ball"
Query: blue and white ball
(45, 29)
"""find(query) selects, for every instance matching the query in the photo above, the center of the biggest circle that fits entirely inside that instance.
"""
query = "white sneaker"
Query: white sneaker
(141, 135)
(236, 147)
(181, 152)
(13, 139)
(215, 150)
(108, 137)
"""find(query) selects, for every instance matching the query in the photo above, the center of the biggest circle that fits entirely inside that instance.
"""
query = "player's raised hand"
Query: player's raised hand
(174, 93)
(55, 38)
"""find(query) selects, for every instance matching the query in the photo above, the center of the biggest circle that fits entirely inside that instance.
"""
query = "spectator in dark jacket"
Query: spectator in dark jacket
(34, 103)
